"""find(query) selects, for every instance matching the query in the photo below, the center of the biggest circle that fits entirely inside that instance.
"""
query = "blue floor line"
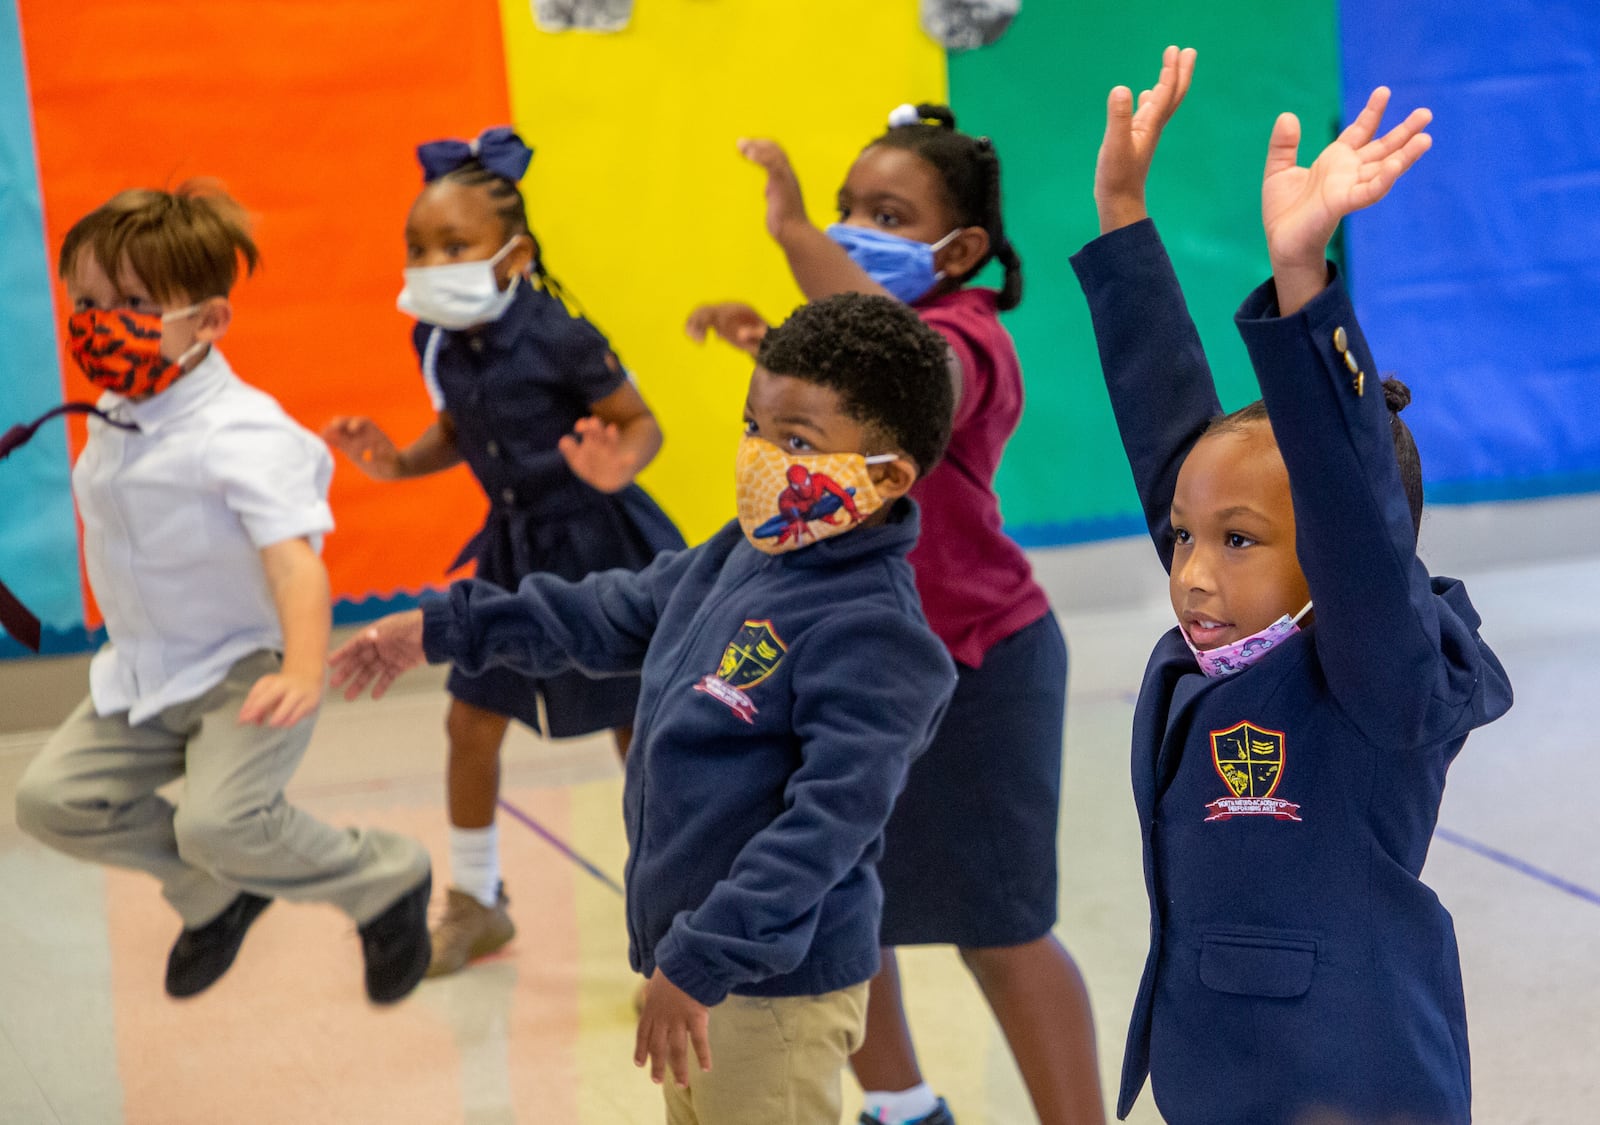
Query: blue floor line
(560, 845)
(1519, 866)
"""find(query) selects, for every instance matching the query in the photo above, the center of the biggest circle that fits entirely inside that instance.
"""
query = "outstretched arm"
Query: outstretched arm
(1302, 207)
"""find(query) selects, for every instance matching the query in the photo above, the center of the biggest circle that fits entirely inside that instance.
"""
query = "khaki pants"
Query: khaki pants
(91, 793)
(774, 1061)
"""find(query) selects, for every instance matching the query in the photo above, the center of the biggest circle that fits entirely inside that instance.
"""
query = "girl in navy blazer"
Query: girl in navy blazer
(1292, 733)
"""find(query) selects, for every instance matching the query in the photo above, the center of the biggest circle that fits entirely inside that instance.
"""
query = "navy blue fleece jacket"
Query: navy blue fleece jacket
(782, 701)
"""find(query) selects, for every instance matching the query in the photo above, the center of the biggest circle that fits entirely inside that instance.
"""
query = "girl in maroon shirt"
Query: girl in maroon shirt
(970, 853)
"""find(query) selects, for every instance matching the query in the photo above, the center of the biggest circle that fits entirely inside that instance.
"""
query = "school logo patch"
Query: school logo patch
(754, 654)
(1250, 761)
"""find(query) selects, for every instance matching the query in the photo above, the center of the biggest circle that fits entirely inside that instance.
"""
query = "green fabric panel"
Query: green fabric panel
(1040, 92)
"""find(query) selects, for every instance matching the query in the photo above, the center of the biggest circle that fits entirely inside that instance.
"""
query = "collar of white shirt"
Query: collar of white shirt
(202, 381)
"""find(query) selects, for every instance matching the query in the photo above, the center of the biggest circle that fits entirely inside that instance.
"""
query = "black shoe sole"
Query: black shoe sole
(191, 974)
(403, 928)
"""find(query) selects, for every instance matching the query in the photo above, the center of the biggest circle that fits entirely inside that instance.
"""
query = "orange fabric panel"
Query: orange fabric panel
(309, 114)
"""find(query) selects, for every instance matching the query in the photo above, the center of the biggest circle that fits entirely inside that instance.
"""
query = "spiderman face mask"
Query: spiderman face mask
(120, 350)
(786, 502)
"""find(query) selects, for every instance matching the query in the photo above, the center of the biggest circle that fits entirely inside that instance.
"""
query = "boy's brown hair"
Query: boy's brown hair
(184, 244)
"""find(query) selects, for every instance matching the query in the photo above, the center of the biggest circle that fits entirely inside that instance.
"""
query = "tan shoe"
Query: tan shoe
(468, 930)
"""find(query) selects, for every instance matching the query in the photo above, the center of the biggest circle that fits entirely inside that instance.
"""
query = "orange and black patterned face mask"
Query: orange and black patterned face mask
(120, 350)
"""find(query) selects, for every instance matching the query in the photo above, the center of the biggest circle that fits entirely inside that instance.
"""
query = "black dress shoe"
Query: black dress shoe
(202, 955)
(396, 947)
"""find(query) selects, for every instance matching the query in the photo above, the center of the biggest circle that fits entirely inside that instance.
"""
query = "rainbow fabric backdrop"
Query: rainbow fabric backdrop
(1473, 280)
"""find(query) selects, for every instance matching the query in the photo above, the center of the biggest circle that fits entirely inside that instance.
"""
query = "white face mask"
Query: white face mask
(459, 295)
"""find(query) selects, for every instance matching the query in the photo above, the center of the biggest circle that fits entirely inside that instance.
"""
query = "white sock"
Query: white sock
(900, 1107)
(475, 862)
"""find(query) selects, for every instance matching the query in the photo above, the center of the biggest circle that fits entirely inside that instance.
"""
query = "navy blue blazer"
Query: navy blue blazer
(1297, 961)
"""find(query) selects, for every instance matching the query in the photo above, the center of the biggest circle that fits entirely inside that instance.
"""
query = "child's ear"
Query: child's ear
(216, 314)
(963, 252)
(894, 479)
(520, 258)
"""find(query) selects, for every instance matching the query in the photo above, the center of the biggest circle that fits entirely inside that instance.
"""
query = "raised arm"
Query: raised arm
(1155, 369)
(1302, 207)
(820, 265)
(1378, 629)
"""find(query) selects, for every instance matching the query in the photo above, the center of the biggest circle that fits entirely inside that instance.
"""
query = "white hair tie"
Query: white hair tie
(902, 115)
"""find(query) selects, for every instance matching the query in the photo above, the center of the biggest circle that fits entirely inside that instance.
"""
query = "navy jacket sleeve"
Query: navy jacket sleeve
(1388, 649)
(600, 626)
(1155, 369)
(869, 690)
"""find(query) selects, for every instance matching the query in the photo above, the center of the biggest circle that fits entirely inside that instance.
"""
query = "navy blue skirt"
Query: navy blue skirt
(570, 536)
(970, 852)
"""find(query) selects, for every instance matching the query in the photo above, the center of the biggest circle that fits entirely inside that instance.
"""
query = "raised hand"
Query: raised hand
(598, 455)
(369, 447)
(1131, 137)
(785, 205)
(1302, 207)
(736, 322)
(378, 654)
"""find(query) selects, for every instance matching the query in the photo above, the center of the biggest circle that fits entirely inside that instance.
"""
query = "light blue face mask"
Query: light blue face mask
(901, 265)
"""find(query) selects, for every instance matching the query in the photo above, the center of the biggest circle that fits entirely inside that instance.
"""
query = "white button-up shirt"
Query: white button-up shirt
(174, 520)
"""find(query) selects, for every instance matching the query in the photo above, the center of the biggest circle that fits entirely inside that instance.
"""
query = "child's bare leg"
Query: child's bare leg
(624, 739)
(472, 785)
(475, 921)
(1038, 997)
(887, 1059)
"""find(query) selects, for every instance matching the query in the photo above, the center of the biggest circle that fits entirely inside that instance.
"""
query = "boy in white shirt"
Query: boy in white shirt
(202, 526)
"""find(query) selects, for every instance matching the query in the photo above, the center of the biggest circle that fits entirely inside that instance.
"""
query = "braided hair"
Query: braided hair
(512, 210)
(970, 170)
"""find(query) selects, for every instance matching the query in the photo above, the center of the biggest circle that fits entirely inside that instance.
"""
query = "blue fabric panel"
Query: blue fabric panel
(1478, 279)
(38, 536)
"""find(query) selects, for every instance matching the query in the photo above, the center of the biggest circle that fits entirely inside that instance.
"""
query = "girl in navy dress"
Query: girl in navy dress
(1293, 731)
(537, 404)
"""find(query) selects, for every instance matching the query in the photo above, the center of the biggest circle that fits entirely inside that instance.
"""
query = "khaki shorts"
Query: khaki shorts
(774, 1061)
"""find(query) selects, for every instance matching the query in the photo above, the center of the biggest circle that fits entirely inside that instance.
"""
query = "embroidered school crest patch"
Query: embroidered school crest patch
(1250, 760)
(754, 654)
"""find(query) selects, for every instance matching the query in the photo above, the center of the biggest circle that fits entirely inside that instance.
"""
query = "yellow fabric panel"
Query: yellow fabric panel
(645, 209)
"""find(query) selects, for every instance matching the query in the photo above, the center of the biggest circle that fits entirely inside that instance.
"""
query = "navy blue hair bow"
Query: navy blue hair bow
(499, 149)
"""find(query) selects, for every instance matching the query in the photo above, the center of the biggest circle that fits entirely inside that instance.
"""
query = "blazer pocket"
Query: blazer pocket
(1270, 965)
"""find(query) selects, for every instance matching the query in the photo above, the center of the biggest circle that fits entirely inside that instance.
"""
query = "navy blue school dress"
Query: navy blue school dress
(1299, 969)
(513, 388)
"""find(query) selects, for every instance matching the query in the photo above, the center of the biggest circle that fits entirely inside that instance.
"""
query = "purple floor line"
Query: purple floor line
(1507, 860)
(560, 845)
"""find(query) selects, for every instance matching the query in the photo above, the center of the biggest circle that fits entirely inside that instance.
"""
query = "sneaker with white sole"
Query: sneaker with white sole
(940, 1115)
(469, 930)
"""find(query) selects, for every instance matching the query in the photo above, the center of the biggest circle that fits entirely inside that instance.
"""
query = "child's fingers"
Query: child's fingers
(678, 1056)
(250, 712)
(658, 1054)
(699, 320)
(1365, 126)
(702, 1044)
(1401, 135)
(1283, 149)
